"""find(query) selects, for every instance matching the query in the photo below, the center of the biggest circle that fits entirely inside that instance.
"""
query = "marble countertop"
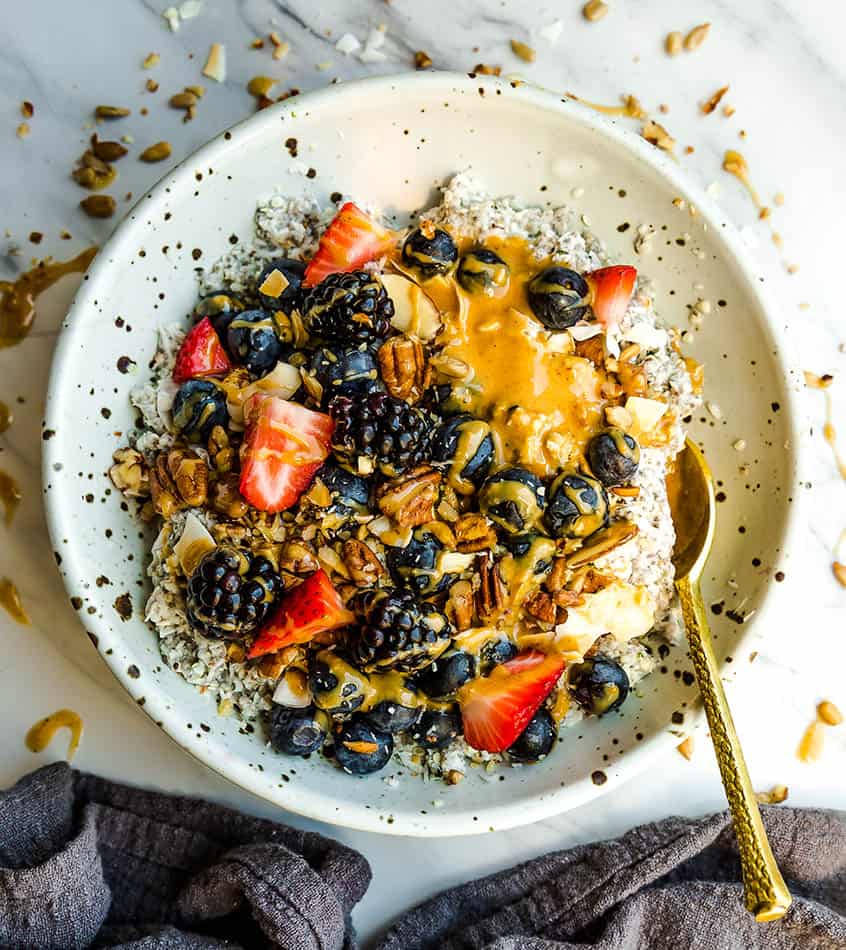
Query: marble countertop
(781, 59)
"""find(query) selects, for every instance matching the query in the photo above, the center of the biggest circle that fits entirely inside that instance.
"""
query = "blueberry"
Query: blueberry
(220, 308)
(253, 341)
(496, 652)
(391, 717)
(536, 740)
(482, 271)
(466, 444)
(347, 494)
(431, 251)
(199, 406)
(350, 371)
(447, 675)
(534, 548)
(298, 731)
(337, 686)
(513, 498)
(437, 727)
(418, 564)
(557, 297)
(360, 749)
(614, 456)
(578, 506)
(288, 297)
(599, 684)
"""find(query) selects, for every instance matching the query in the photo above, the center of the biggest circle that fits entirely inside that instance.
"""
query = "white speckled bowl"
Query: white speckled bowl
(391, 141)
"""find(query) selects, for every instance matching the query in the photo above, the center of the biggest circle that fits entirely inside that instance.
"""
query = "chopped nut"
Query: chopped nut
(490, 597)
(459, 605)
(453, 777)
(710, 104)
(729, 111)
(23, 130)
(111, 112)
(98, 206)
(405, 368)
(151, 85)
(129, 473)
(363, 565)
(182, 100)
(657, 135)
(811, 747)
(221, 452)
(594, 10)
(829, 713)
(557, 575)
(673, 43)
(225, 497)
(422, 60)
(482, 69)
(151, 60)
(839, 572)
(473, 532)
(270, 666)
(93, 173)
(541, 606)
(685, 747)
(775, 796)
(198, 91)
(107, 151)
(410, 499)
(696, 37)
(27, 109)
(178, 479)
(297, 558)
(260, 86)
(156, 153)
(592, 349)
(215, 67)
(523, 51)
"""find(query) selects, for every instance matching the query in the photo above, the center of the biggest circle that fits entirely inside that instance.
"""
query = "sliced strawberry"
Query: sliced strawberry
(201, 354)
(353, 238)
(311, 608)
(284, 445)
(497, 708)
(611, 290)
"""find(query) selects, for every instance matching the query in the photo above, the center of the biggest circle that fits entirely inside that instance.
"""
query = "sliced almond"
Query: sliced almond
(673, 43)
(215, 67)
(696, 37)
(811, 746)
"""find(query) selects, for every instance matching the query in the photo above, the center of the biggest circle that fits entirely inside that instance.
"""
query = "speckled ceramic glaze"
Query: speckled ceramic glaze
(390, 142)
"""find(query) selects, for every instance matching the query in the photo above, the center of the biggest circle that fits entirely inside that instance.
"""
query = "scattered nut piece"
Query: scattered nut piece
(151, 60)
(775, 796)
(453, 777)
(541, 606)
(483, 69)
(156, 153)
(459, 605)
(405, 368)
(696, 37)
(657, 135)
(129, 473)
(711, 104)
(182, 100)
(23, 130)
(257, 43)
(490, 597)
(111, 112)
(98, 206)
(673, 43)
(215, 67)
(778, 199)
(363, 565)
(523, 51)
(260, 86)
(473, 533)
(151, 85)
(107, 151)
(422, 60)
(297, 558)
(829, 713)
(685, 747)
(178, 479)
(729, 111)
(27, 109)
(739, 445)
(225, 496)
(839, 572)
(594, 10)
(281, 47)
(410, 499)
(811, 747)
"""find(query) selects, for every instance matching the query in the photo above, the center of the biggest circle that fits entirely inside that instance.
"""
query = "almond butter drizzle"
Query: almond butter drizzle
(41, 734)
(17, 297)
(631, 107)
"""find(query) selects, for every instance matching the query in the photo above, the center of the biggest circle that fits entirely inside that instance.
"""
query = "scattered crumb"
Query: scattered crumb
(775, 796)
(663, 108)
(828, 713)
(594, 10)
(657, 135)
(281, 47)
(811, 746)
(792, 268)
(27, 109)
(523, 51)
(685, 747)
(151, 85)
(483, 69)
(696, 37)
(422, 60)
(839, 572)
(673, 43)
(23, 130)
(778, 199)
(151, 60)
(711, 104)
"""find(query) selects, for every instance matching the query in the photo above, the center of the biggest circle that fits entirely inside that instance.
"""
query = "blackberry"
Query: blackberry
(350, 308)
(229, 593)
(380, 427)
(398, 632)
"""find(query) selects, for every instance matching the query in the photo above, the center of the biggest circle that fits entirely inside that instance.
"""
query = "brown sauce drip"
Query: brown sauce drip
(735, 164)
(10, 599)
(6, 417)
(631, 107)
(10, 495)
(17, 297)
(41, 734)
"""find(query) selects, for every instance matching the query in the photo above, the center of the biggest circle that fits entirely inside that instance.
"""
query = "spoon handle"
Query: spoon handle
(766, 894)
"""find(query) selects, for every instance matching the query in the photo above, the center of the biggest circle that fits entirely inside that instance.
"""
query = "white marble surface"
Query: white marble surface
(782, 59)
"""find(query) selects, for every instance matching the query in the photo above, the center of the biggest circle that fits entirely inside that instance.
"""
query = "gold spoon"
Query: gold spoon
(691, 493)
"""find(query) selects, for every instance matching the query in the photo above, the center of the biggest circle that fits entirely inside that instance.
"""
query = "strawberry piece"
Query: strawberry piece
(353, 238)
(310, 608)
(284, 445)
(611, 290)
(201, 354)
(495, 709)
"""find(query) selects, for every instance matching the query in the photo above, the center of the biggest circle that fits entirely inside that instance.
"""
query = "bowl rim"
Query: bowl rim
(350, 813)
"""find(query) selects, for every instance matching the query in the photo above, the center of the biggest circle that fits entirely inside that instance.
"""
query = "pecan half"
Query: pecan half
(129, 473)
(225, 497)
(179, 478)
(410, 499)
(490, 597)
(298, 558)
(541, 606)
(361, 562)
(459, 605)
(473, 532)
(557, 576)
(405, 368)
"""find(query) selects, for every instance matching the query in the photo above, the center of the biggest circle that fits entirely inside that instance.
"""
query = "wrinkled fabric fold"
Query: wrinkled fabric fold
(93, 863)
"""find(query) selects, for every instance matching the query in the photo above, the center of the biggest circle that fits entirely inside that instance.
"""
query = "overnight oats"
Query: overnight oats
(411, 485)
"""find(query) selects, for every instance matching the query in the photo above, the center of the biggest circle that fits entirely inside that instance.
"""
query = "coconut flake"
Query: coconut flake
(215, 67)
(194, 542)
(171, 17)
(551, 32)
(647, 336)
(190, 8)
(347, 44)
(584, 331)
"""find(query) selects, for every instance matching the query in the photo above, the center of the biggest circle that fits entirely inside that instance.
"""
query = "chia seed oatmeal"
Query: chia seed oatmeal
(411, 485)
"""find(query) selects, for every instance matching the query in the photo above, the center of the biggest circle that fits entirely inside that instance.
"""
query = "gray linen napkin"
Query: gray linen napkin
(87, 862)
(664, 886)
